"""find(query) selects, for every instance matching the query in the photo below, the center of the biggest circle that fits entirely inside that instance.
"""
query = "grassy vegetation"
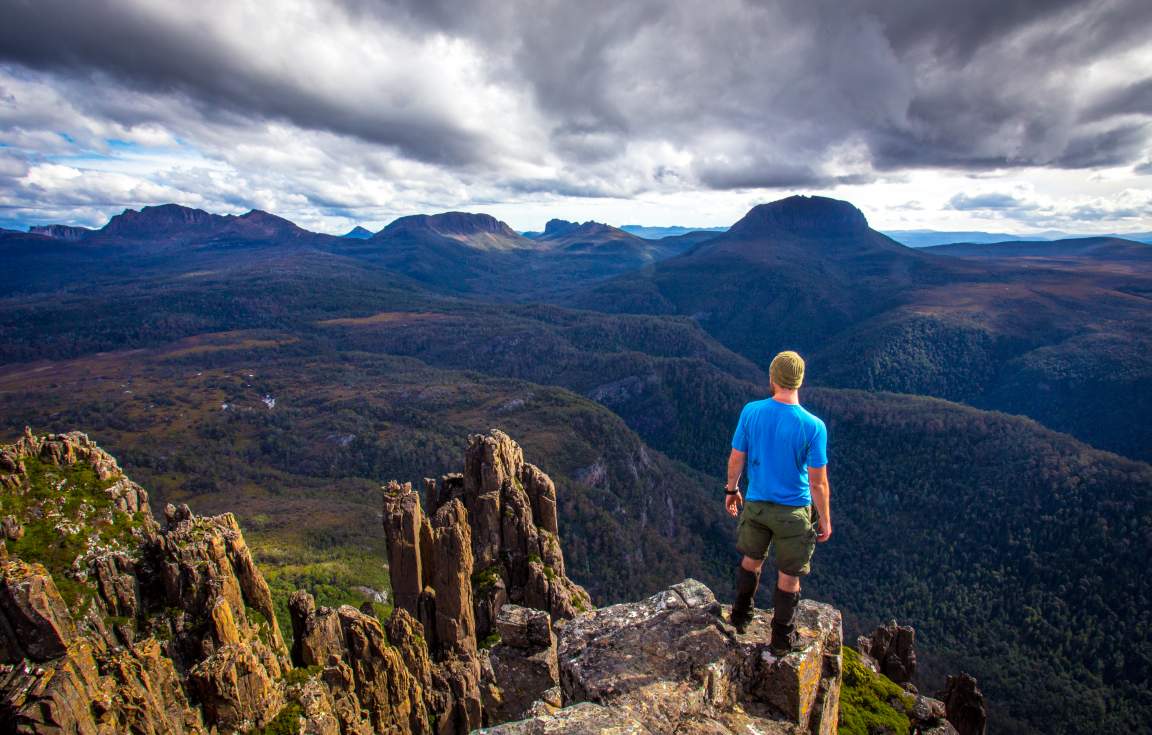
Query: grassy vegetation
(871, 704)
(287, 722)
(60, 508)
(330, 575)
(302, 674)
(487, 578)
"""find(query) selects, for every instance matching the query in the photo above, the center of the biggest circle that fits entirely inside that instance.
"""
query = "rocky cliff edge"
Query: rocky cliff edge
(111, 622)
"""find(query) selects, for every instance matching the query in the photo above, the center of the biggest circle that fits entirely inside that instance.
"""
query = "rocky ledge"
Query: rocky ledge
(671, 664)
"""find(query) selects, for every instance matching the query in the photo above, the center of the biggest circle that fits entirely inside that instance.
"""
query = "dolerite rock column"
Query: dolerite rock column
(515, 543)
(430, 562)
(893, 648)
(964, 704)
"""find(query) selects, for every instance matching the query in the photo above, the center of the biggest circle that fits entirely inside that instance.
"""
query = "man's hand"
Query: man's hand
(823, 530)
(733, 503)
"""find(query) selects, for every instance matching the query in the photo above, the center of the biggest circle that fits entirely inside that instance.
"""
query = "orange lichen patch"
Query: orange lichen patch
(385, 317)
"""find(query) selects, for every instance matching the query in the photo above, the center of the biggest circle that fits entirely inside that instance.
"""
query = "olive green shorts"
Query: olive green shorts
(792, 529)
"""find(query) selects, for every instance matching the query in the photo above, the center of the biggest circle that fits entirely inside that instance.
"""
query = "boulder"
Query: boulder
(523, 664)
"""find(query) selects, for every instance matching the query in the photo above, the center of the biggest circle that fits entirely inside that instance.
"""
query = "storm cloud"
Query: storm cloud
(410, 101)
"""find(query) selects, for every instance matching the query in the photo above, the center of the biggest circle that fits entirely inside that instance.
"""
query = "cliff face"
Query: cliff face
(111, 622)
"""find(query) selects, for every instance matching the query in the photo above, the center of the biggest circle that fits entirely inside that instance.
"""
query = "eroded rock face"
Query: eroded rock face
(371, 678)
(964, 704)
(515, 543)
(524, 664)
(893, 648)
(669, 664)
(154, 618)
(489, 540)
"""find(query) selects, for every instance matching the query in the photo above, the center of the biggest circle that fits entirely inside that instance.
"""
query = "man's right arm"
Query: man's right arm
(821, 496)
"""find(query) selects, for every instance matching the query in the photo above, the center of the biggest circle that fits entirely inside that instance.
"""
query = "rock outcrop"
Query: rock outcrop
(490, 539)
(670, 664)
(515, 534)
(111, 623)
(524, 664)
(964, 703)
(893, 649)
(374, 685)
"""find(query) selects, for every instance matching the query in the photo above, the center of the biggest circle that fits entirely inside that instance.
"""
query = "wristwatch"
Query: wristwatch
(730, 492)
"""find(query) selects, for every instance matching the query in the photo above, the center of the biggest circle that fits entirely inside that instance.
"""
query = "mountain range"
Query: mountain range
(987, 406)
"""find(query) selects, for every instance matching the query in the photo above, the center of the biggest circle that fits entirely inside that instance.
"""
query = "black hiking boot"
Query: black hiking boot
(784, 638)
(746, 583)
(784, 641)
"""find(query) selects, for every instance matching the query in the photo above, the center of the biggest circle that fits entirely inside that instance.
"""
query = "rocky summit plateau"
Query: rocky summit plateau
(113, 622)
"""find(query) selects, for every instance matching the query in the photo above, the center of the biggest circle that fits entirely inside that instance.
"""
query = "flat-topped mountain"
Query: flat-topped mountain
(172, 223)
(802, 216)
(67, 233)
(480, 231)
(561, 234)
(803, 232)
(610, 247)
(1101, 248)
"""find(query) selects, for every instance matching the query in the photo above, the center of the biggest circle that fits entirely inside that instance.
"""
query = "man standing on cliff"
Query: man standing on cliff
(785, 450)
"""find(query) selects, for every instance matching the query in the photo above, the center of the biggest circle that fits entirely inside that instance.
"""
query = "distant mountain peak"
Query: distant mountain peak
(804, 216)
(559, 227)
(148, 220)
(358, 233)
(170, 223)
(453, 223)
(481, 231)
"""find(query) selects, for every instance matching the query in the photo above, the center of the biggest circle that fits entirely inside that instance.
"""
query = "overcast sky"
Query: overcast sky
(1005, 115)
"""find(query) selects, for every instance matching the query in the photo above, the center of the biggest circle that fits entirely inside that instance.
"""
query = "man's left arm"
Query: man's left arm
(818, 483)
(822, 497)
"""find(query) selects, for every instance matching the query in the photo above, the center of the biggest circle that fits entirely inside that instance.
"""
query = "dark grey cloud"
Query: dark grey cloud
(609, 98)
(1116, 147)
(1135, 98)
(111, 38)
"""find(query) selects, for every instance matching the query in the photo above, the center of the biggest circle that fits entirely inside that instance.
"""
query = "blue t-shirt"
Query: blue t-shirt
(782, 441)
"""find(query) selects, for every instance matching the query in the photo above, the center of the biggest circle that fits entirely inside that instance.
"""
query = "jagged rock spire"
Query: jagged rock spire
(512, 524)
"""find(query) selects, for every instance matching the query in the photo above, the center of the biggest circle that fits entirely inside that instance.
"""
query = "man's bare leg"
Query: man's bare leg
(754, 565)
